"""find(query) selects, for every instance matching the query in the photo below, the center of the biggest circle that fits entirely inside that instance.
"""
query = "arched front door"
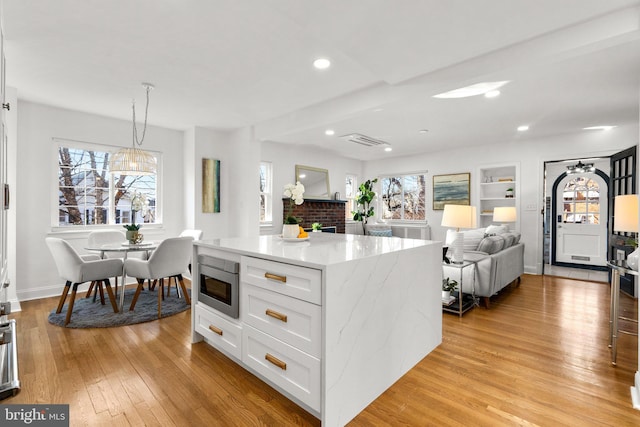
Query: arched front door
(581, 219)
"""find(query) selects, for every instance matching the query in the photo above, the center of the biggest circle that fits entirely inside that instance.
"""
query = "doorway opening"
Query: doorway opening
(576, 194)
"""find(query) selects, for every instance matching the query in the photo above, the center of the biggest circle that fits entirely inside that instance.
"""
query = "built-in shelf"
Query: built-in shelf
(494, 181)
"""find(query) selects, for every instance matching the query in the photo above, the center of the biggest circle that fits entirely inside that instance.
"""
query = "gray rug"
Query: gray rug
(90, 314)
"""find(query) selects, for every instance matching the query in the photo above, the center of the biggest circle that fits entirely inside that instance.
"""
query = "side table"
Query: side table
(617, 267)
(464, 302)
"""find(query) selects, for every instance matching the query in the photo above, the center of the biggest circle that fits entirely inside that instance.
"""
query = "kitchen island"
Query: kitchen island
(330, 322)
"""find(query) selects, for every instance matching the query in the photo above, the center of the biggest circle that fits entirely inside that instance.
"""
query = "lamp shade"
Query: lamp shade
(626, 213)
(133, 161)
(504, 214)
(459, 216)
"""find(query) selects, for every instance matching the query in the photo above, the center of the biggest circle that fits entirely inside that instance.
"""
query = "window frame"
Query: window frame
(403, 175)
(268, 194)
(351, 201)
(91, 146)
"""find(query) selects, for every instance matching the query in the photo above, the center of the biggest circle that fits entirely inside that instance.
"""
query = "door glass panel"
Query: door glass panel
(581, 201)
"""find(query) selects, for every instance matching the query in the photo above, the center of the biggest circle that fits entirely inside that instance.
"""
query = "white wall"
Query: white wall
(239, 173)
(36, 275)
(531, 156)
(284, 159)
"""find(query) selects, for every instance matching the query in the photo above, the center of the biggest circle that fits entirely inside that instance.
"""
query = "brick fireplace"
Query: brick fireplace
(329, 213)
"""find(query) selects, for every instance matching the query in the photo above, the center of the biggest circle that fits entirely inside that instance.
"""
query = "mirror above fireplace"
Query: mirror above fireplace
(315, 181)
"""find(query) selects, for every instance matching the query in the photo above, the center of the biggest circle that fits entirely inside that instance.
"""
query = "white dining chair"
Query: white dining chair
(76, 270)
(104, 237)
(169, 260)
(197, 235)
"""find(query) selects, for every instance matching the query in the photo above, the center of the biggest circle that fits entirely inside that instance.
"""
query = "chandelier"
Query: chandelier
(581, 168)
(135, 161)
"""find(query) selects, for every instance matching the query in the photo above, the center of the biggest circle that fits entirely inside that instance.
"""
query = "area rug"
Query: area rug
(90, 314)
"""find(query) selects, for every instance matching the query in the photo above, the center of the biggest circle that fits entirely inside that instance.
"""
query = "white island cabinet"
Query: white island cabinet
(331, 322)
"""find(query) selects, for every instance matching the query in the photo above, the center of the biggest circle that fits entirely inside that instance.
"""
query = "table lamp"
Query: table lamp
(625, 219)
(504, 214)
(458, 216)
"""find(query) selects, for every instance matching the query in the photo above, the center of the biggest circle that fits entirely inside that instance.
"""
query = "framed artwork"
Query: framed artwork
(451, 189)
(210, 186)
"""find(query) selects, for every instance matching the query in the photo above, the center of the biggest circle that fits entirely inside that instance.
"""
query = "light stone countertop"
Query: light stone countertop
(320, 250)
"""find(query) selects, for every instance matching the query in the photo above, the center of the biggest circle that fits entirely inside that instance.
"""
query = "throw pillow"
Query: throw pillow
(381, 233)
(509, 239)
(496, 230)
(491, 244)
(471, 238)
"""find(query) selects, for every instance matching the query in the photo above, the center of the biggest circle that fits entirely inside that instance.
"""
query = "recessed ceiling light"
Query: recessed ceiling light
(473, 90)
(322, 63)
(599, 128)
(423, 131)
(492, 94)
(388, 149)
(523, 128)
(329, 132)
(377, 110)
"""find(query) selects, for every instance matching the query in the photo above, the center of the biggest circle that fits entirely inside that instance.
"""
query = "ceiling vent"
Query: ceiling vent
(365, 140)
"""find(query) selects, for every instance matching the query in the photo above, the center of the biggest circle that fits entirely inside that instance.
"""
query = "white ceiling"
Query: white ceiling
(225, 64)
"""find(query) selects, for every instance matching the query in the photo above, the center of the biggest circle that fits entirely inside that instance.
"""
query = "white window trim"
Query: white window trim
(56, 228)
(349, 215)
(269, 206)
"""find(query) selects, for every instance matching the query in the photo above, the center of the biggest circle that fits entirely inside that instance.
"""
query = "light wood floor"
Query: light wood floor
(539, 356)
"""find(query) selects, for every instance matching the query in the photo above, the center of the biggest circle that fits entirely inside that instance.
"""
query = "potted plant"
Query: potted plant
(139, 203)
(448, 285)
(316, 227)
(509, 193)
(363, 202)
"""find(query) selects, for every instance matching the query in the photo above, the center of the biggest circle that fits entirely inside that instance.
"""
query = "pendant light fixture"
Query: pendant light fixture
(135, 161)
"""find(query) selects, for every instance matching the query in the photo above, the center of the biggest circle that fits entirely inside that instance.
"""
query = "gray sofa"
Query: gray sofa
(498, 258)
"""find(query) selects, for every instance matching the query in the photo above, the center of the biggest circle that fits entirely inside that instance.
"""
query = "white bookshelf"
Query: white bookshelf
(493, 183)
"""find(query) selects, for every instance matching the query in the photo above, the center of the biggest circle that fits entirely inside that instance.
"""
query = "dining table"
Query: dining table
(123, 248)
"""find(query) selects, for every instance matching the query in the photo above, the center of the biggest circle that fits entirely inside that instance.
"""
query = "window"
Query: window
(266, 197)
(351, 188)
(403, 197)
(581, 201)
(88, 194)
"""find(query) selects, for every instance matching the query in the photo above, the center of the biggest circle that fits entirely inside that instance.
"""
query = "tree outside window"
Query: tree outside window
(403, 197)
(88, 194)
(266, 192)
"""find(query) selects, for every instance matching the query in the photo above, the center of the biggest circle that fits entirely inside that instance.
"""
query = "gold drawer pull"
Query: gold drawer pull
(276, 315)
(279, 363)
(282, 279)
(215, 330)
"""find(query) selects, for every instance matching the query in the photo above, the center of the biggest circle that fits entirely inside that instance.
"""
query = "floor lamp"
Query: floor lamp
(504, 215)
(458, 216)
(625, 219)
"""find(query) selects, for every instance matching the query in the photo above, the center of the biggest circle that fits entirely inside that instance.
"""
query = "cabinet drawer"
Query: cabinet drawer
(291, 320)
(220, 332)
(299, 282)
(286, 367)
